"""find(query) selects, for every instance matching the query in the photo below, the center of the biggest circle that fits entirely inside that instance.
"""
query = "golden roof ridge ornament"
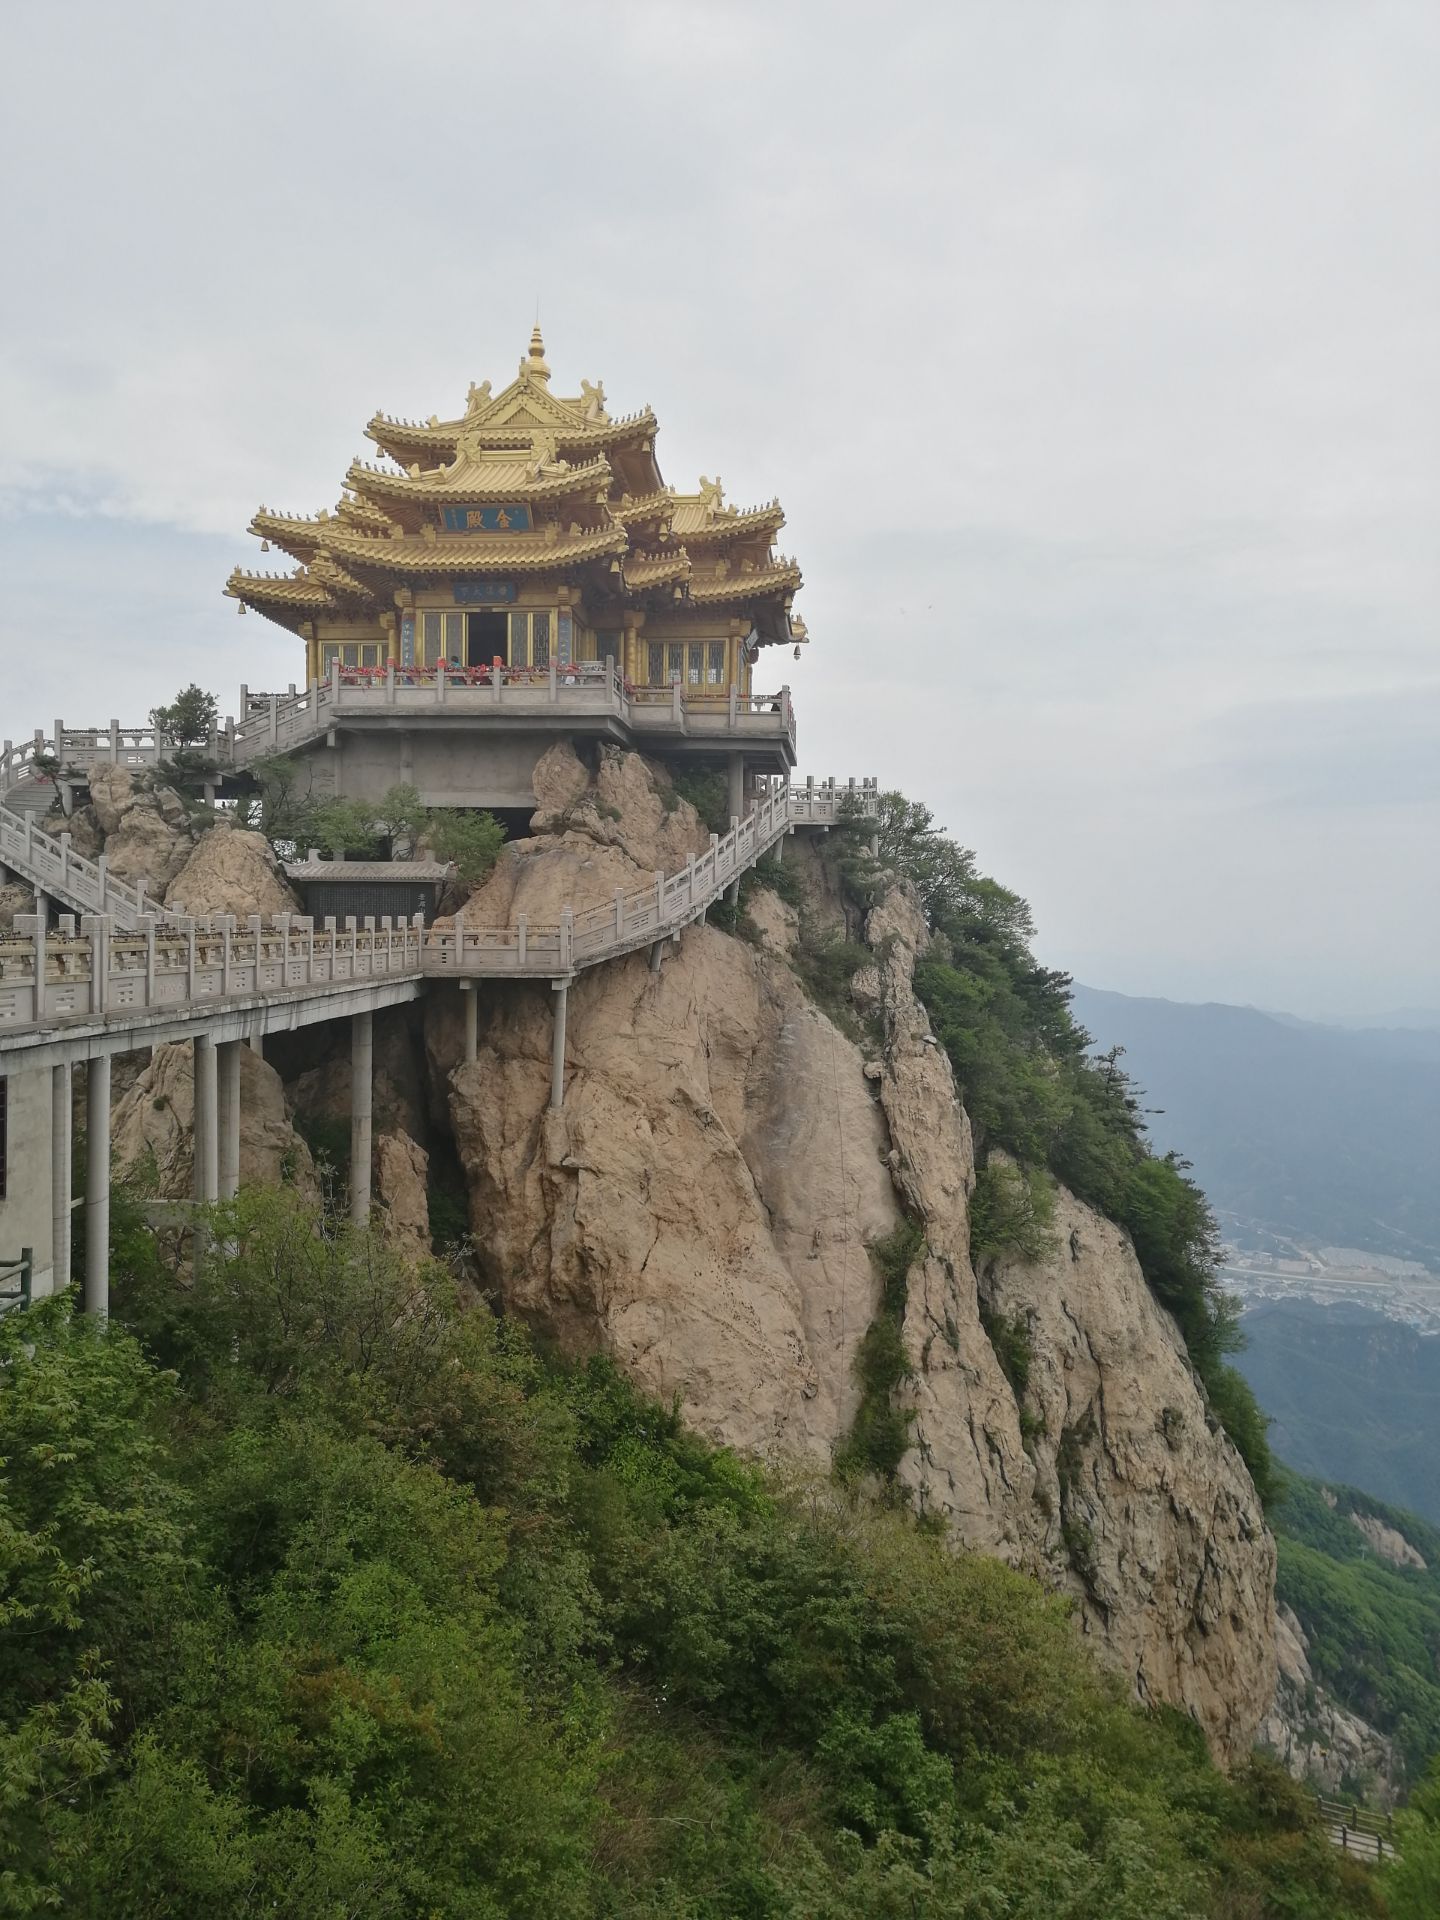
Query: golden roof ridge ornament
(535, 366)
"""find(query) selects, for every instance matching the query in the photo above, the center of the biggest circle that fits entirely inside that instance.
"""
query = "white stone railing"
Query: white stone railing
(179, 966)
(644, 914)
(48, 863)
(178, 963)
(274, 723)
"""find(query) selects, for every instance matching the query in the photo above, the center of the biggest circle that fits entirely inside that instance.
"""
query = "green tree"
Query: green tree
(471, 841)
(189, 719)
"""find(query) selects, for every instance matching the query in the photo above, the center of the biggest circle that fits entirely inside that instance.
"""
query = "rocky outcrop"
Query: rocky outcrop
(594, 835)
(1118, 1488)
(14, 898)
(231, 870)
(776, 924)
(186, 858)
(702, 1208)
(401, 1173)
(1148, 1515)
(143, 827)
(1387, 1541)
(1316, 1739)
(153, 1128)
(628, 802)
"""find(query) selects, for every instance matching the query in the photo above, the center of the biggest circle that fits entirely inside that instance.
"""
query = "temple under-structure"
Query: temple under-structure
(529, 564)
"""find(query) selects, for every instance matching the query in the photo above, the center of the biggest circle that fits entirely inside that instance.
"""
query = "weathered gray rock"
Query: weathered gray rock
(153, 1128)
(401, 1170)
(1127, 1496)
(1314, 1737)
(14, 898)
(1387, 1541)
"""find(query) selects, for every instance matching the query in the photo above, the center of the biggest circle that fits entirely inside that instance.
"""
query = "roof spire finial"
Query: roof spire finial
(535, 365)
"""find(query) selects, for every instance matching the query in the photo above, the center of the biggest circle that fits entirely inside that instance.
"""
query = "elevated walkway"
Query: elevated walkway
(72, 998)
(114, 975)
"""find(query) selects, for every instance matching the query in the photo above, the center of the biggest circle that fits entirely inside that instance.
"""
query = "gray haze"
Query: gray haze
(1090, 346)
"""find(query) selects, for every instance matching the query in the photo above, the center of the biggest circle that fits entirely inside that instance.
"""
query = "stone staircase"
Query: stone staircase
(50, 866)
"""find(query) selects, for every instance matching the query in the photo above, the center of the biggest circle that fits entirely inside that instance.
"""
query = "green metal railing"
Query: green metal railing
(16, 1278)
(1358, 1830)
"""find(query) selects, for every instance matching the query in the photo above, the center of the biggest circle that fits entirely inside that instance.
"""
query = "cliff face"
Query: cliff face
(704, 1204)
(702, 1209)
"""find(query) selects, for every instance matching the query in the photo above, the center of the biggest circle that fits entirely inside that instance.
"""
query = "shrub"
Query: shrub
(1011, 1210)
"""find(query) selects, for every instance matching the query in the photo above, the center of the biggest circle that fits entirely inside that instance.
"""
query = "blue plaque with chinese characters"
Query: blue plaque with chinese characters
(407, 639)
(514, 519)
(481, 593)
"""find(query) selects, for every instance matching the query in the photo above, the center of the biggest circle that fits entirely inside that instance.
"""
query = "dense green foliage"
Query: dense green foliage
(1412, 1882)
(1010, 1212)
(1373, 1628)
(323, 1596)
(189, 718)
(880, 1436)
(1031, 1086)
(293, 817)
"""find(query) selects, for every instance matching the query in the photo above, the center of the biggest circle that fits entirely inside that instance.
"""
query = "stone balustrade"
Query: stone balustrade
(180, 964)
(106, 971)
(272, 723)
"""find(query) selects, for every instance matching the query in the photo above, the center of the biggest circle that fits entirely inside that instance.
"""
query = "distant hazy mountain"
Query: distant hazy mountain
(1353, 1397)
(1329, 1135)
(1415, 1018)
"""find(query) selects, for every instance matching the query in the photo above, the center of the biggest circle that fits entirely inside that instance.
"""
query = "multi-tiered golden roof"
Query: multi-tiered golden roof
(532, 528)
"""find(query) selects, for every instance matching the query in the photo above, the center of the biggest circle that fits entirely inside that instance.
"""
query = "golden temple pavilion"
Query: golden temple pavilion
(533, 528)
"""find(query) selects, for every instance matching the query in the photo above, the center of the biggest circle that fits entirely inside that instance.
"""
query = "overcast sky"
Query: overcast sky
(1090, 346)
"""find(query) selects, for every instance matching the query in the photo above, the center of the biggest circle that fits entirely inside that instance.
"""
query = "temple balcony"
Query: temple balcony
(462, 737)
(588, 698)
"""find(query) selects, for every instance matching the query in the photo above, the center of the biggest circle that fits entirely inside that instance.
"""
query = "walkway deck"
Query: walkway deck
(104, 979)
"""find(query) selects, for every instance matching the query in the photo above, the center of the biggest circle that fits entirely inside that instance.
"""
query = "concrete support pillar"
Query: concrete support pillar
(732, 894)
(657, 954)
(60, 1166)
(207, 1122)
(362, 1062)
(229, 1115)
(557, 1044)
(97, 1185)
(780, 851)
(470, 991)
(42, 911)
(735, 772)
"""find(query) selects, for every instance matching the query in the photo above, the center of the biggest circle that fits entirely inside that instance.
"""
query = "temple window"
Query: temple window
(701, 663)
(530, 639)
(442, 637)
(352, 653)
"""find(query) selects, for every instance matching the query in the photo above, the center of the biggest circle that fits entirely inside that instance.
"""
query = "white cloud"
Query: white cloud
(1097, 339)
